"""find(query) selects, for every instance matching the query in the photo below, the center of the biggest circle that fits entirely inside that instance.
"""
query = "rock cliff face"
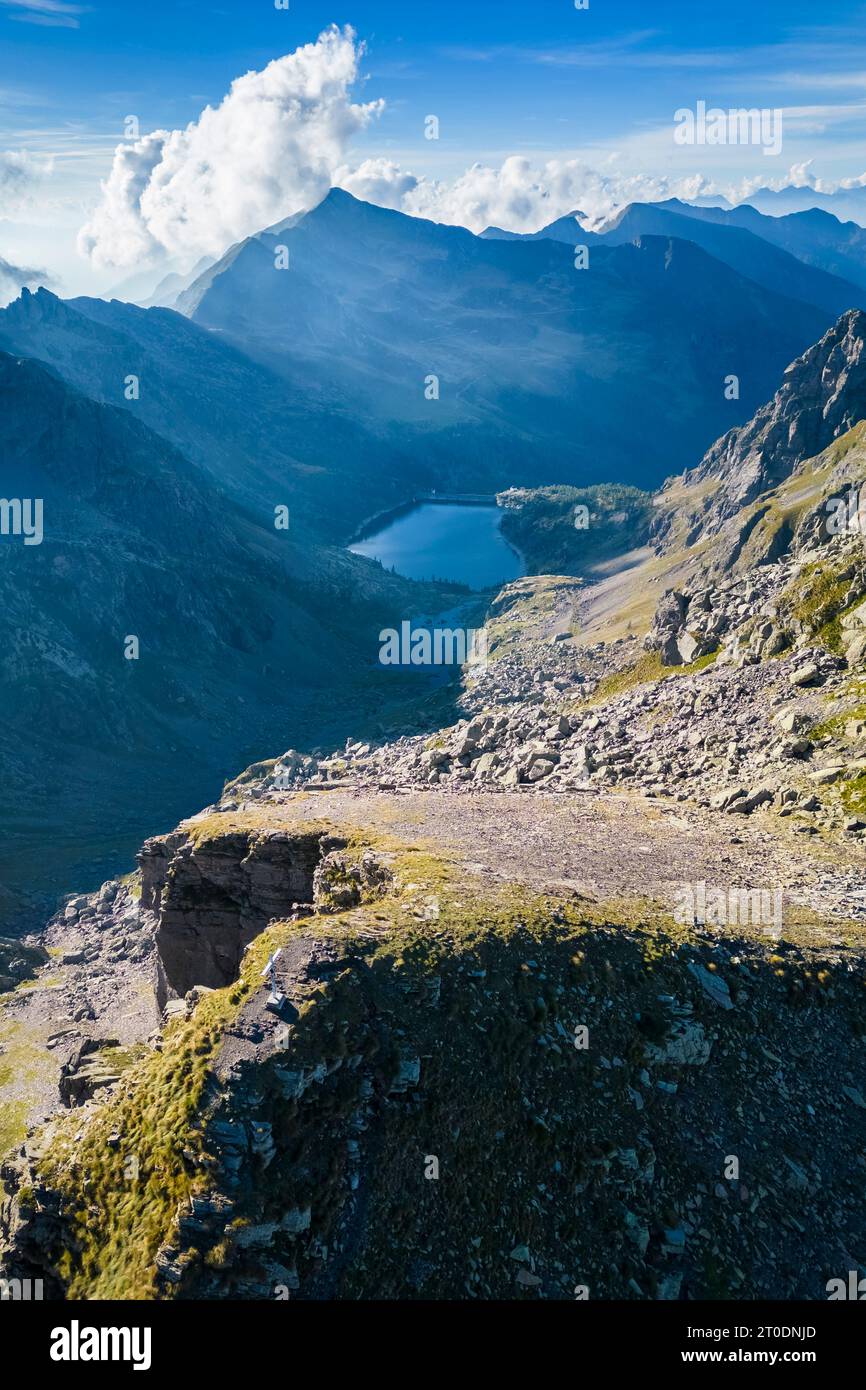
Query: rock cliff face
(466, 1093)
(771, 525)
(822, 396)
(212, 898)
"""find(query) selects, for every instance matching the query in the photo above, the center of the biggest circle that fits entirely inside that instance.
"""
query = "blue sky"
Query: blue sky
(501, 71)
(543, 81)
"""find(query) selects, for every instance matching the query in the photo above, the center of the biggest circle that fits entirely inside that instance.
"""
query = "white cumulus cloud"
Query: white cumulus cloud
(270, 148)
(522, 196)
(518, 195)
(20, 177)
(281, 138)
(378, 181)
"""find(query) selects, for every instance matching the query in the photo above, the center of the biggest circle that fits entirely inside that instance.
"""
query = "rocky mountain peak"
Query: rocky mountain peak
(822, 396)
(35, 305)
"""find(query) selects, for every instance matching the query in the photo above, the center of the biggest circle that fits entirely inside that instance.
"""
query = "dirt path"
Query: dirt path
(614, 846)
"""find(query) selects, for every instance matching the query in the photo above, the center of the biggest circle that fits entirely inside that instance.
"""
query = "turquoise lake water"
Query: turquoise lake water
(440, 540)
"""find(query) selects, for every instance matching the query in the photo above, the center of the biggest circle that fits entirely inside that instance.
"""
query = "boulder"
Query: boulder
(810, 674)
(854, 634)
(666, 627)
(689, 647)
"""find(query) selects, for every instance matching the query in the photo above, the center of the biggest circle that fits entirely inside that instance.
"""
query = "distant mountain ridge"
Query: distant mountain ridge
(845, 203)
(533, 359)
(816, 237)
(735, 238)
(264, 440)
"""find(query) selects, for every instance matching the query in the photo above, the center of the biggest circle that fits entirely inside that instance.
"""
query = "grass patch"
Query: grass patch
(647, 668)
(117, 1222)
(44, 982)
(22, 1063)
(13, 1125)
(817, 603)
(853, 794)
(834, 725)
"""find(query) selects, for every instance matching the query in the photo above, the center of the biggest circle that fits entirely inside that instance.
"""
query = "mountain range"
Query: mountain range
(844, 203)
(535, 360)
(815, 236)
(395, 355)
(766, 250)
(162, 443)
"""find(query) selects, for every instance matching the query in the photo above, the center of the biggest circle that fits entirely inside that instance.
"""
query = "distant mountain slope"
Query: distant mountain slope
(816, 236)
(247, 638)
(744, 539)
(601, 374)
(844, 203)
(728, 237)
(173, 284)
(263, 439)
(822, 397)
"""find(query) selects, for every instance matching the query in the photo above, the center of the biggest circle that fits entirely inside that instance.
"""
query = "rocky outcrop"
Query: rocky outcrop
(823, 395)
(19, 961)
(342, 881)
(854, 634)
(668, 623)
(212, 895)
(88, 1070)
